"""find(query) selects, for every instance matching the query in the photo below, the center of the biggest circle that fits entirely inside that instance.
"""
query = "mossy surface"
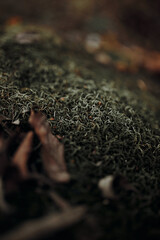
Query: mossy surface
(101, 121)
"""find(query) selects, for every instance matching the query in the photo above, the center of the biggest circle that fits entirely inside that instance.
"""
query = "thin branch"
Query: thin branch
(4, 207)
(48, 225)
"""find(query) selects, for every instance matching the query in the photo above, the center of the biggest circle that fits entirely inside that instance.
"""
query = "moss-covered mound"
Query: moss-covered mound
(107, 130)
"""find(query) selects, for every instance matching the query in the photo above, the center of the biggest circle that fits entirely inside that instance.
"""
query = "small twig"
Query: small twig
(52, 150)
(38, 229)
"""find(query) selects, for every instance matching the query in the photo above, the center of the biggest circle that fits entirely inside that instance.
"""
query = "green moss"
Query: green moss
(100, 119)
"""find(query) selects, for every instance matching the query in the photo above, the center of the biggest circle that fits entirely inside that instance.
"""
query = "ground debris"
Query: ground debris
(52, 149)
(14, 168)
(21, 156)
(48, 225)
(111, 185)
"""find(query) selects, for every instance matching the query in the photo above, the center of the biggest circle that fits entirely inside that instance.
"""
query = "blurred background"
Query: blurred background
(136, 21)
(121, 34)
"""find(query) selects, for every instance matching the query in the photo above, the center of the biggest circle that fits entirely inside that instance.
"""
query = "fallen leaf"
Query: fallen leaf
(22, 154)
(52, 149)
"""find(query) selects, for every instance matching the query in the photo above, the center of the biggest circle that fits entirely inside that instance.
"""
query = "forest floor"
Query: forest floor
(100, 99)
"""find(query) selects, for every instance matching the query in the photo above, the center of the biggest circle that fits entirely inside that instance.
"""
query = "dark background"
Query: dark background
(136, 21)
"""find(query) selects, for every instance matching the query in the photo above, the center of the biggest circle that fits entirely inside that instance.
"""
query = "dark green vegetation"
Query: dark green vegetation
(101, 121)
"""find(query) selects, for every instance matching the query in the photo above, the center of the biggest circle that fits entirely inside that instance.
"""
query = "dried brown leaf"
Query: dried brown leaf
(21, 156)
(52, 149)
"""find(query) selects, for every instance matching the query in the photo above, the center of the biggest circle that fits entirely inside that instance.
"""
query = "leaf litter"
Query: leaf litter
(54, 164)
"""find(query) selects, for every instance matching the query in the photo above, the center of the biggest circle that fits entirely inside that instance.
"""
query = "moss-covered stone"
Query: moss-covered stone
(101, 120)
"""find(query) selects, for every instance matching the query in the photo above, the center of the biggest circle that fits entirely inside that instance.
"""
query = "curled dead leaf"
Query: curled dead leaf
(52, 149)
